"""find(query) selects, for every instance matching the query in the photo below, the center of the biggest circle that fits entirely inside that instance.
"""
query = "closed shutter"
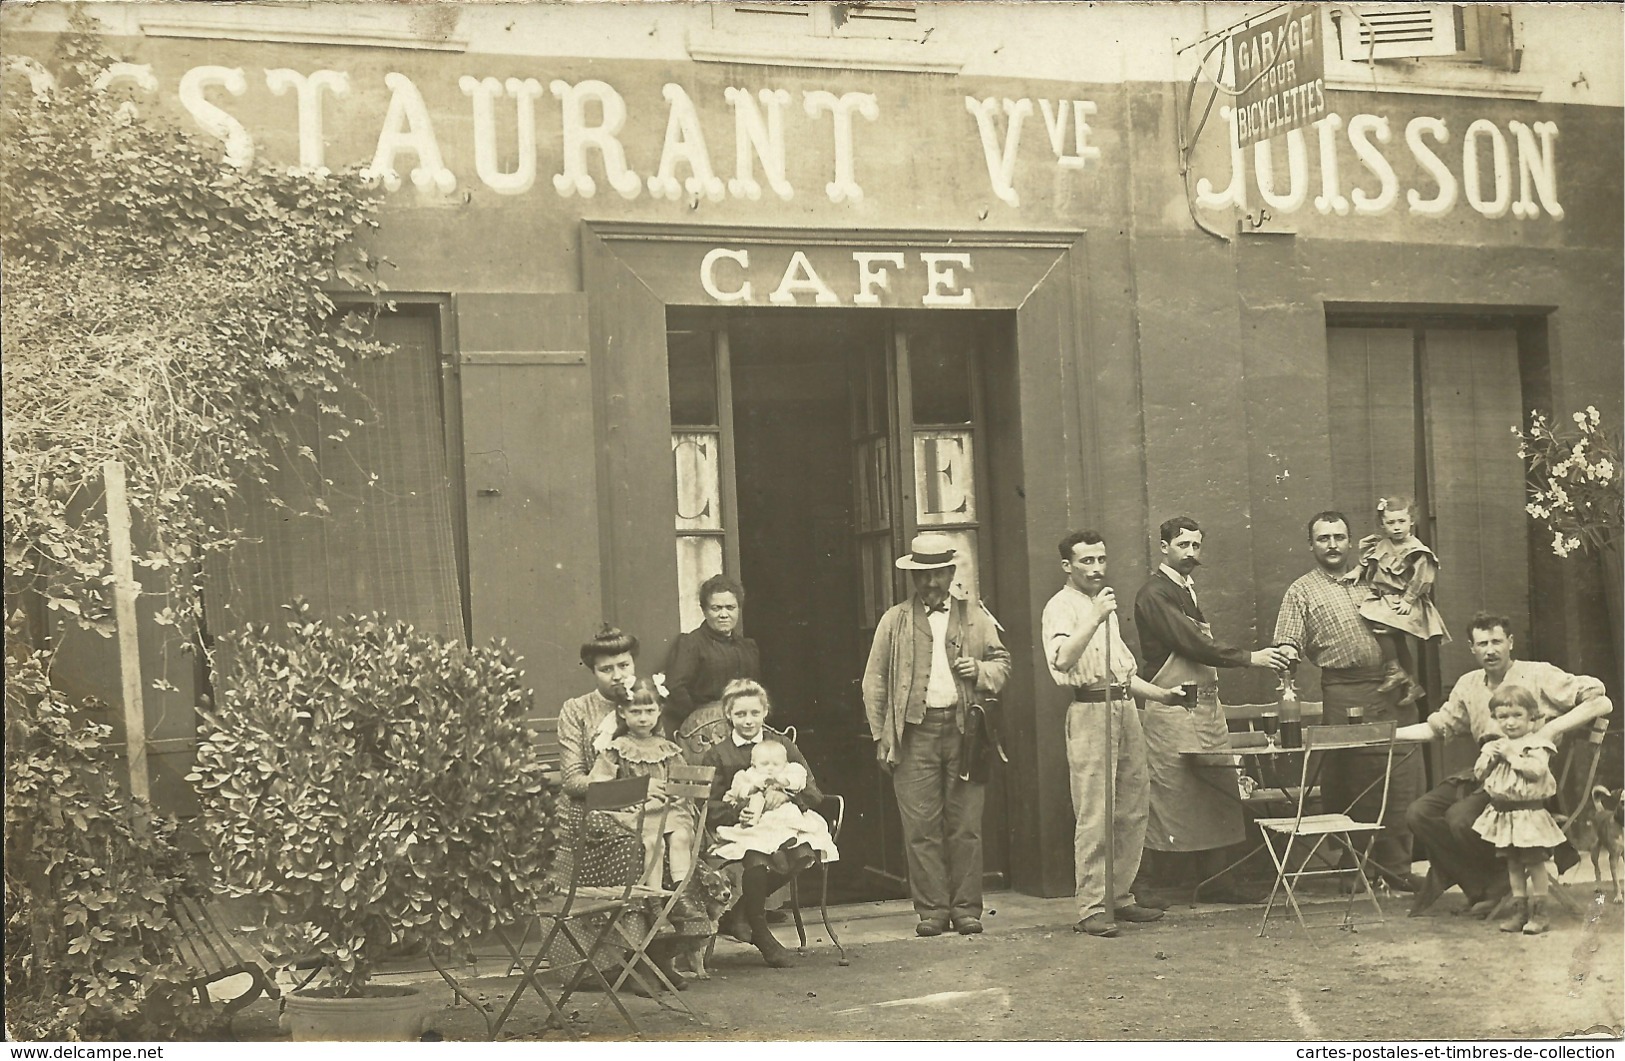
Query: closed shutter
(1372, 420)
(532, 486)
(1473, 397)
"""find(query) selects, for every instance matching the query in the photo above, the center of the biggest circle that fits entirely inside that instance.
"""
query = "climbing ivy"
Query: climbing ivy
(163, 309)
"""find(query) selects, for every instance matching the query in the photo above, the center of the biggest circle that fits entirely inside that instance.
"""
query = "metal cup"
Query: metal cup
(1356, 714)
(1188, 692)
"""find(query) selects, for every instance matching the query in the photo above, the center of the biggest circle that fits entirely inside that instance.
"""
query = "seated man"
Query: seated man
(1443, 818)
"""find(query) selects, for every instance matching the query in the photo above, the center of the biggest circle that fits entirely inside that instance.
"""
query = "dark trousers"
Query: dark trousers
(942, 820)
(1443, 820)
(1346, 773)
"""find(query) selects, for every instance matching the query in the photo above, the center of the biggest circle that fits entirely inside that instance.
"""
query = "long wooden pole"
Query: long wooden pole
(1111, 779)
(125, 590)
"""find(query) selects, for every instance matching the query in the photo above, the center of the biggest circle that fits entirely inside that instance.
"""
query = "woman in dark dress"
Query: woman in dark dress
(703, 661)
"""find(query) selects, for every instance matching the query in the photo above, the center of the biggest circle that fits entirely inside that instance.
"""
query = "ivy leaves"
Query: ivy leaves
(88, 875)
(164, 310)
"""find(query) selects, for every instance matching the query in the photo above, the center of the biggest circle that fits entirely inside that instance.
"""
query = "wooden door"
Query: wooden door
(916, 410)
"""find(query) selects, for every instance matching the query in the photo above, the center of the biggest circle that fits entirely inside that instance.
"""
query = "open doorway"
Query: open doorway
(809, 446)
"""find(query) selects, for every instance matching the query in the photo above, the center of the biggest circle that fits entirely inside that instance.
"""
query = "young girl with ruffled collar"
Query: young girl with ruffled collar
(630, 744)
(1399, 572)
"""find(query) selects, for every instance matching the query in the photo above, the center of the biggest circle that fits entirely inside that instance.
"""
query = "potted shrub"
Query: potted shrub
(374, 786)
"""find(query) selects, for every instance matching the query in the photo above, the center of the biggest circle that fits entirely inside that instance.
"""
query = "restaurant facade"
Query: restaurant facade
(767, 288)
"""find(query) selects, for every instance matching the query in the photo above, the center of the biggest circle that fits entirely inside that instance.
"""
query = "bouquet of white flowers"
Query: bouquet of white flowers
(1575, 488)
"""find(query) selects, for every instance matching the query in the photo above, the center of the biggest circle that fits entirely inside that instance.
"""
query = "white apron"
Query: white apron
(1193, 808)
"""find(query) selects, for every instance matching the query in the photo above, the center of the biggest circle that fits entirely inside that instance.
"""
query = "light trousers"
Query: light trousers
(1091, 762)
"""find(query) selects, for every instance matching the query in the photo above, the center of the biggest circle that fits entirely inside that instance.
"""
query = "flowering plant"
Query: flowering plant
(1574, 481)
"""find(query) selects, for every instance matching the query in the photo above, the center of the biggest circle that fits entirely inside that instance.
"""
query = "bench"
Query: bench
(211, 950)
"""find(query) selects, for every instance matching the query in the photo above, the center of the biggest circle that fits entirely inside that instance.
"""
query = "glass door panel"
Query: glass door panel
(697, 361)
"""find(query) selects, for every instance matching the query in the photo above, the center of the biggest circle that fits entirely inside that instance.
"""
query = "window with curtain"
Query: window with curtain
(368, 524)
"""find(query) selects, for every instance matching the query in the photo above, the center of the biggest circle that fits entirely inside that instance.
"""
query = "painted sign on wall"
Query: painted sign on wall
(1280, 75)
(505, 138)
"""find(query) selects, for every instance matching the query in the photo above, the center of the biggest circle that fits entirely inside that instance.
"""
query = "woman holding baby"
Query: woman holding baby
(762, 805)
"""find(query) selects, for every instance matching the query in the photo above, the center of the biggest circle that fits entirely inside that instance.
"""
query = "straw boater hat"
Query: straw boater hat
(927, 552)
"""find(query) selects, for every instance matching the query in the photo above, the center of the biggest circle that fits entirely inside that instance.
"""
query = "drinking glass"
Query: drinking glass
(1271, 718)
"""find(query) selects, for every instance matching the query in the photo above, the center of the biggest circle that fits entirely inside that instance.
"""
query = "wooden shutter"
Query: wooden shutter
(1371, 416)
(1471, 398)
(532, 483)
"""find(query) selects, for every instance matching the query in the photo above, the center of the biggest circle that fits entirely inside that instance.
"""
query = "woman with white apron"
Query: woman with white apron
(1195, 802)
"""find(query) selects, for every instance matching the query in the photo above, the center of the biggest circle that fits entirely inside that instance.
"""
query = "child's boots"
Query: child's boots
(1517, 914)
(1396, 677)
(1536, 924)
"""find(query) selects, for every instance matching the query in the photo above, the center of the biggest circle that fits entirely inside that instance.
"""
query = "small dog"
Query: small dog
(713, 890)
(1596, 830)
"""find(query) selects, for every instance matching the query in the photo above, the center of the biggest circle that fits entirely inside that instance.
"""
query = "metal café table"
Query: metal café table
(1268, 758)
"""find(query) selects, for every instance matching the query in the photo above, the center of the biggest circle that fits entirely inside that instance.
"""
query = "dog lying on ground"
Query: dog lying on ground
(1596, 830)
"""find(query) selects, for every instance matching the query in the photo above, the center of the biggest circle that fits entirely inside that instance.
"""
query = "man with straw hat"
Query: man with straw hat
(931, 655)
(1105, 747)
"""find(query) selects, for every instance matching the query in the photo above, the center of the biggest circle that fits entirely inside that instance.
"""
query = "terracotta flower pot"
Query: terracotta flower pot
(383, 1014)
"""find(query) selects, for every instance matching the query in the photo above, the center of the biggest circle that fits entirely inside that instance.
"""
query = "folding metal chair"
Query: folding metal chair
(579, 902)
(683, 782)
(834, 811)
(1282, 835)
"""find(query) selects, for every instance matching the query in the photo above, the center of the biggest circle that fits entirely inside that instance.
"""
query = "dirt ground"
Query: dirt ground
(1199, 974)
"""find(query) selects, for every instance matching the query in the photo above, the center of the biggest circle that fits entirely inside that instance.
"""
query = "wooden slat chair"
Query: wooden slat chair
(565, 913)
(683, 782)
(211, 951)
(1336, 827)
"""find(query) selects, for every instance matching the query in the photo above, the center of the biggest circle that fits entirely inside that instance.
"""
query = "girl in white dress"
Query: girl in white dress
(1516, 769)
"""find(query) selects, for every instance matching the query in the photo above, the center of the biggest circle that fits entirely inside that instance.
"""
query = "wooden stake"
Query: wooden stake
(125, 590)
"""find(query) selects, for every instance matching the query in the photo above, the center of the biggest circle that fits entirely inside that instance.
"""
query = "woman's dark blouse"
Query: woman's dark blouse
(702, 663)
(729, 758)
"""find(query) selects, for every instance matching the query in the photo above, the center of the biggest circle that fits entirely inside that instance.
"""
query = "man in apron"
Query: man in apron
(1195, 806)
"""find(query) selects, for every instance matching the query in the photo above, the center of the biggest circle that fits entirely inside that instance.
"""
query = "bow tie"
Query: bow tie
(932, 610)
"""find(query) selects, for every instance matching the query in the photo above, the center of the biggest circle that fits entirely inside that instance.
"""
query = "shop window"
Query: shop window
(694, 367)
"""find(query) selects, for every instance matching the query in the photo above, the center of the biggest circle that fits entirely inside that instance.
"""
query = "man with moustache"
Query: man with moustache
(1189, 813)
(931, 654)
(1084, 647)
(1320, 621)
(1443, 819)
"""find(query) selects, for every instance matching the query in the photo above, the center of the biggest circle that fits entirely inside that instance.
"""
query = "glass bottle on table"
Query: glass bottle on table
(1291, 713)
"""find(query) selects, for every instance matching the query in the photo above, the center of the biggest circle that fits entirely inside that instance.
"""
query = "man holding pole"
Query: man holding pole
(1105, 749)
